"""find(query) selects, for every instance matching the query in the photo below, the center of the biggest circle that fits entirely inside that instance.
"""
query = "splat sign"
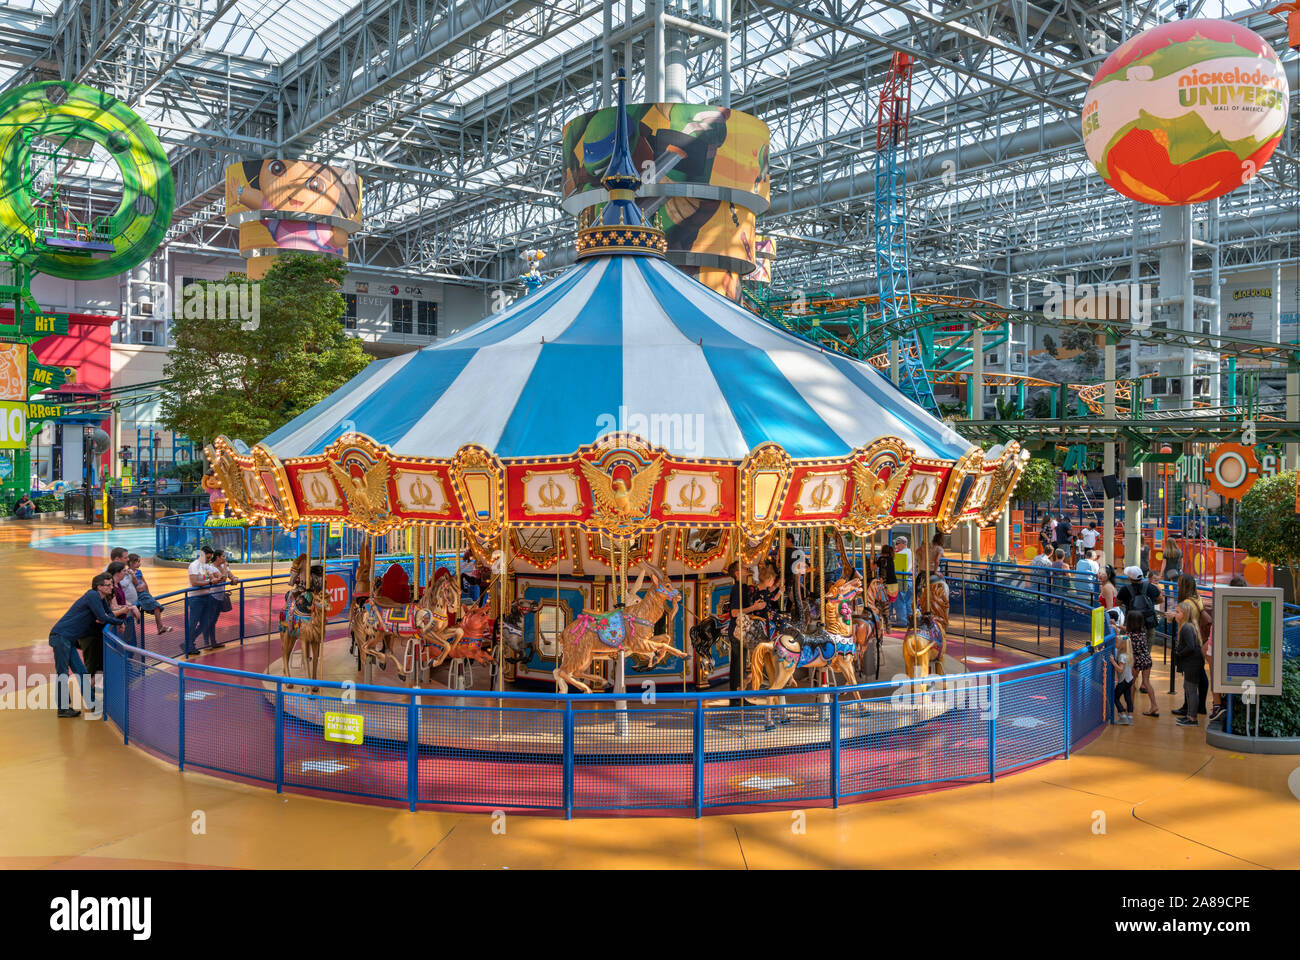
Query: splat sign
(13, 371)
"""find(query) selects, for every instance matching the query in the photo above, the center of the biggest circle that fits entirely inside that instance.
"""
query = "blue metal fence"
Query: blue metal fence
(681, 752)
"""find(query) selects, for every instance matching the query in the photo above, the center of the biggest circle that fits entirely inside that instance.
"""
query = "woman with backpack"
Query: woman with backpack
(1187, 591)
(1190, 658)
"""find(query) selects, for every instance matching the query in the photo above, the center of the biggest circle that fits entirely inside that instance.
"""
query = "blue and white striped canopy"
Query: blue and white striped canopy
(616, 343)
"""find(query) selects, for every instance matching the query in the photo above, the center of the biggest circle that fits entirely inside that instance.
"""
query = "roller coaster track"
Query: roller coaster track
(1169, 427)
(811, 317)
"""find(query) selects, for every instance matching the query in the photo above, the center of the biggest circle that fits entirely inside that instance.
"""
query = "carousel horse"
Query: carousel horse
(934, 601)
(424, 624)
(829, 646)
(360, 594)
(876, 598)
(304, 619)
(711, 630)
(512, 633)
(922, 644)
(478, 627)
(630, 629)
(868, 627)
(705, 636)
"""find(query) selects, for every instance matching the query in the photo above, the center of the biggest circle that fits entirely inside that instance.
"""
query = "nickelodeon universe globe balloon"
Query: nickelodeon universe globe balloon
(1185, 112)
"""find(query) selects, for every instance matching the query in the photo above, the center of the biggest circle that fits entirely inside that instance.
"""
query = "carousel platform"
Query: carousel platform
(533, 727)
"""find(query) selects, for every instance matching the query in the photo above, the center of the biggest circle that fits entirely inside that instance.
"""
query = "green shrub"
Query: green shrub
(1221, 535)
(1278, 716)
(225, 522)
(48, 503)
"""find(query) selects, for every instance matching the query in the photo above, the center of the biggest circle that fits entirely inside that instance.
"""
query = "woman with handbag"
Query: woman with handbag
(220, 598)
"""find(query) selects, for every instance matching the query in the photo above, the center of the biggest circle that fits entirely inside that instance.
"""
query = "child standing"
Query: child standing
(1135, 625)
(146, 603)
(1122, 661)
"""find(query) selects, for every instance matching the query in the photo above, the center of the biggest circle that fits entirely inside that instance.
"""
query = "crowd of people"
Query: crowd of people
(119, 596)
(1139, 606)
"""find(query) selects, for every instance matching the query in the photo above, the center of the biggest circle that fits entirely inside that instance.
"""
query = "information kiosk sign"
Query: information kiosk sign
(1248, 640)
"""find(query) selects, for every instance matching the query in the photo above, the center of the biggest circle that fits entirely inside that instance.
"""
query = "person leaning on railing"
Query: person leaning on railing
(202, 602)
(147, 603)
(223, 602)
(90, 613)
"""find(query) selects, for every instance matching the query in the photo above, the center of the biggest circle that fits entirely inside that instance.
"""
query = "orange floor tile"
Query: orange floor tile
(1148, 796)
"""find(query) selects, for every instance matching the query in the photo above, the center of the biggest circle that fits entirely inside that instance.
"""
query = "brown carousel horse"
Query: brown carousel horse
(303, 619)
(830, 646)
(361, 590)
(425, 623)
(877, 599)
(934, 601)
(603, 635)
(477, 626)
(923, 645)
(869, 628)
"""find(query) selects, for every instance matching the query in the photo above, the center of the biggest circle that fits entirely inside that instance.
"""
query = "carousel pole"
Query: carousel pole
(781, 535)
(501, 607)
(620, 665)
(911, 573)
(270, 606)
(681, 605)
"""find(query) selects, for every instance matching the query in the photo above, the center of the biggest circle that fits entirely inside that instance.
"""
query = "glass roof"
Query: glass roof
(272, 30)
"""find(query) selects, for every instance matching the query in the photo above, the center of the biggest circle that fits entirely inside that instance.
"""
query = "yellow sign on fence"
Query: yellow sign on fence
(345, 728)
(13, 425)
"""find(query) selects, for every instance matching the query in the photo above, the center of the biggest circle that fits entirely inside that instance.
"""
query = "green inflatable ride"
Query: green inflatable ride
(45, 128)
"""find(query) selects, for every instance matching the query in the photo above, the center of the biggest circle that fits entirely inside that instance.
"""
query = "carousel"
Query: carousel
(607, 447)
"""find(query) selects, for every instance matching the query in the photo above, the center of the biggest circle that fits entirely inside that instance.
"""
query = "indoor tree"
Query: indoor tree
(246, 376)
(1267, 524)
(1037, 483)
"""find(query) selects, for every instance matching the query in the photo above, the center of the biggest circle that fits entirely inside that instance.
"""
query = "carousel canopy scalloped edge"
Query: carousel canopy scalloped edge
(618, 487)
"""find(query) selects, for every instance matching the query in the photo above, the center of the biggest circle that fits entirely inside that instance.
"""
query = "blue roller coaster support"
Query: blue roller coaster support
(894, 285)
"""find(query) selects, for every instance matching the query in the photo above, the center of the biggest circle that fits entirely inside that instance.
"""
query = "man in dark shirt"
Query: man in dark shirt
(90, 612)
(736, 643)
(1142, 595)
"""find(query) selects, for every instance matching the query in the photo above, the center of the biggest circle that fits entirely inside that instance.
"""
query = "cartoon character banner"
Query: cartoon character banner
(705, 175)
(295, 205)
(672, 143)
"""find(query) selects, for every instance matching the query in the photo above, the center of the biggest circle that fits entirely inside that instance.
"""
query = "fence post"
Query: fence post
(412, 752)
(1066, 724)
(241, 613)
(279, 737)
(993, 616)
(993, 745)
(1109, 712)
(835, 748)
(185, 637)
(697, 764)
(568, 759)
(1061, 608)
(180, 723)
(126, 697)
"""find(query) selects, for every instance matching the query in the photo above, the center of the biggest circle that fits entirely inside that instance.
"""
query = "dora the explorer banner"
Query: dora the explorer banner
(297, 205)
(705, 177)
